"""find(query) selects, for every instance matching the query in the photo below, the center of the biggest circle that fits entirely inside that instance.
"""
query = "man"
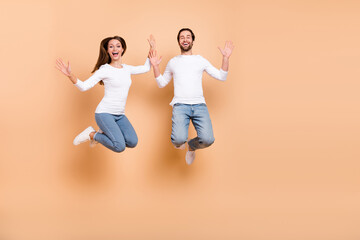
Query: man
(188, 102)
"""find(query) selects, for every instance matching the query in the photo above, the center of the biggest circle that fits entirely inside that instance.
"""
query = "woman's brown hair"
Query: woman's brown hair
(104, 55)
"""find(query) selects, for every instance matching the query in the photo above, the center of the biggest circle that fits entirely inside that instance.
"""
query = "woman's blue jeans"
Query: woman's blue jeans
(199, 115)
(118, 132)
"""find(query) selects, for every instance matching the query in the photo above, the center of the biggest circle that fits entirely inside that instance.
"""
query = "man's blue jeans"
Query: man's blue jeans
(118, 132)
(199, 115)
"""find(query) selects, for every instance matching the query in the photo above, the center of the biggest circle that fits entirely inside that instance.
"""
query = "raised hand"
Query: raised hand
(65, 69)
(154, 58)
(152, 42)
(227, 50)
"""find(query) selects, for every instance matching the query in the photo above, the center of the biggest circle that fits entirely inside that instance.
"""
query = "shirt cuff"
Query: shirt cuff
(159, 77)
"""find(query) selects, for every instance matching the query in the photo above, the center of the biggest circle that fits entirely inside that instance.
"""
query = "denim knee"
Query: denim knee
(178, 141)
(118, 147)
(207, 141)
(132, 143)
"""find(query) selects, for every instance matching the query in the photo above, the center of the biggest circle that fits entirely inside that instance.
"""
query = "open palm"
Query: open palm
(227, 50)
(154, 58)
(62, 67)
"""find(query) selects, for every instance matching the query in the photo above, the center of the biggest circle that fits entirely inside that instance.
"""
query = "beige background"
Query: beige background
(285, 163)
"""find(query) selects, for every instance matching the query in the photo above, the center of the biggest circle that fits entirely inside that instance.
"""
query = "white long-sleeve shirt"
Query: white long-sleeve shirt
(117, 82)
(187, 71)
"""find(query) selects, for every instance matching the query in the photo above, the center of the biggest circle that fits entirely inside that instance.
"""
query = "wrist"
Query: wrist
(72, 78)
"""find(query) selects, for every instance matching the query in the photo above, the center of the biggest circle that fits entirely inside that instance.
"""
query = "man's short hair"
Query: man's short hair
(186, 29)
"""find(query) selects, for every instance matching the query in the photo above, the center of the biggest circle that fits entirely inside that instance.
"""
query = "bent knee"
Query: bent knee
(118, 148)
(132, 144)
(178, 141)
(207, 141)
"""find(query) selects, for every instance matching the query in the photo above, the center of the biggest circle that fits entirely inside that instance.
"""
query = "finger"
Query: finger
(227, 44)
(61, 61)
(63, 64)
(58, 68)
(58, 61)
(59, 65)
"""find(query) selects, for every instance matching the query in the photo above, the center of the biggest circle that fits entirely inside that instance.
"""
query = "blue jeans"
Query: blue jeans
(199, 115)
(118, 132)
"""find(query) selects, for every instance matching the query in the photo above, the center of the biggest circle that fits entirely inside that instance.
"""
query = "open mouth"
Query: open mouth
(115, 54)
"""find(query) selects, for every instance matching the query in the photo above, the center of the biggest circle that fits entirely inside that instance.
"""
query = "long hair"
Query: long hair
(104, 55)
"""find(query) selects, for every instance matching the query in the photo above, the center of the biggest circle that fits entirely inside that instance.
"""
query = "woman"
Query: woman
(116, 132)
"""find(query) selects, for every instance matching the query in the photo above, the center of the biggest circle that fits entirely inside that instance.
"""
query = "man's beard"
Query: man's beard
(186, 49)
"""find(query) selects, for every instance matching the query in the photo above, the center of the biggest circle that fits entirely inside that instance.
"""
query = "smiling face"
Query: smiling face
(185, 41)
(114, 49)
